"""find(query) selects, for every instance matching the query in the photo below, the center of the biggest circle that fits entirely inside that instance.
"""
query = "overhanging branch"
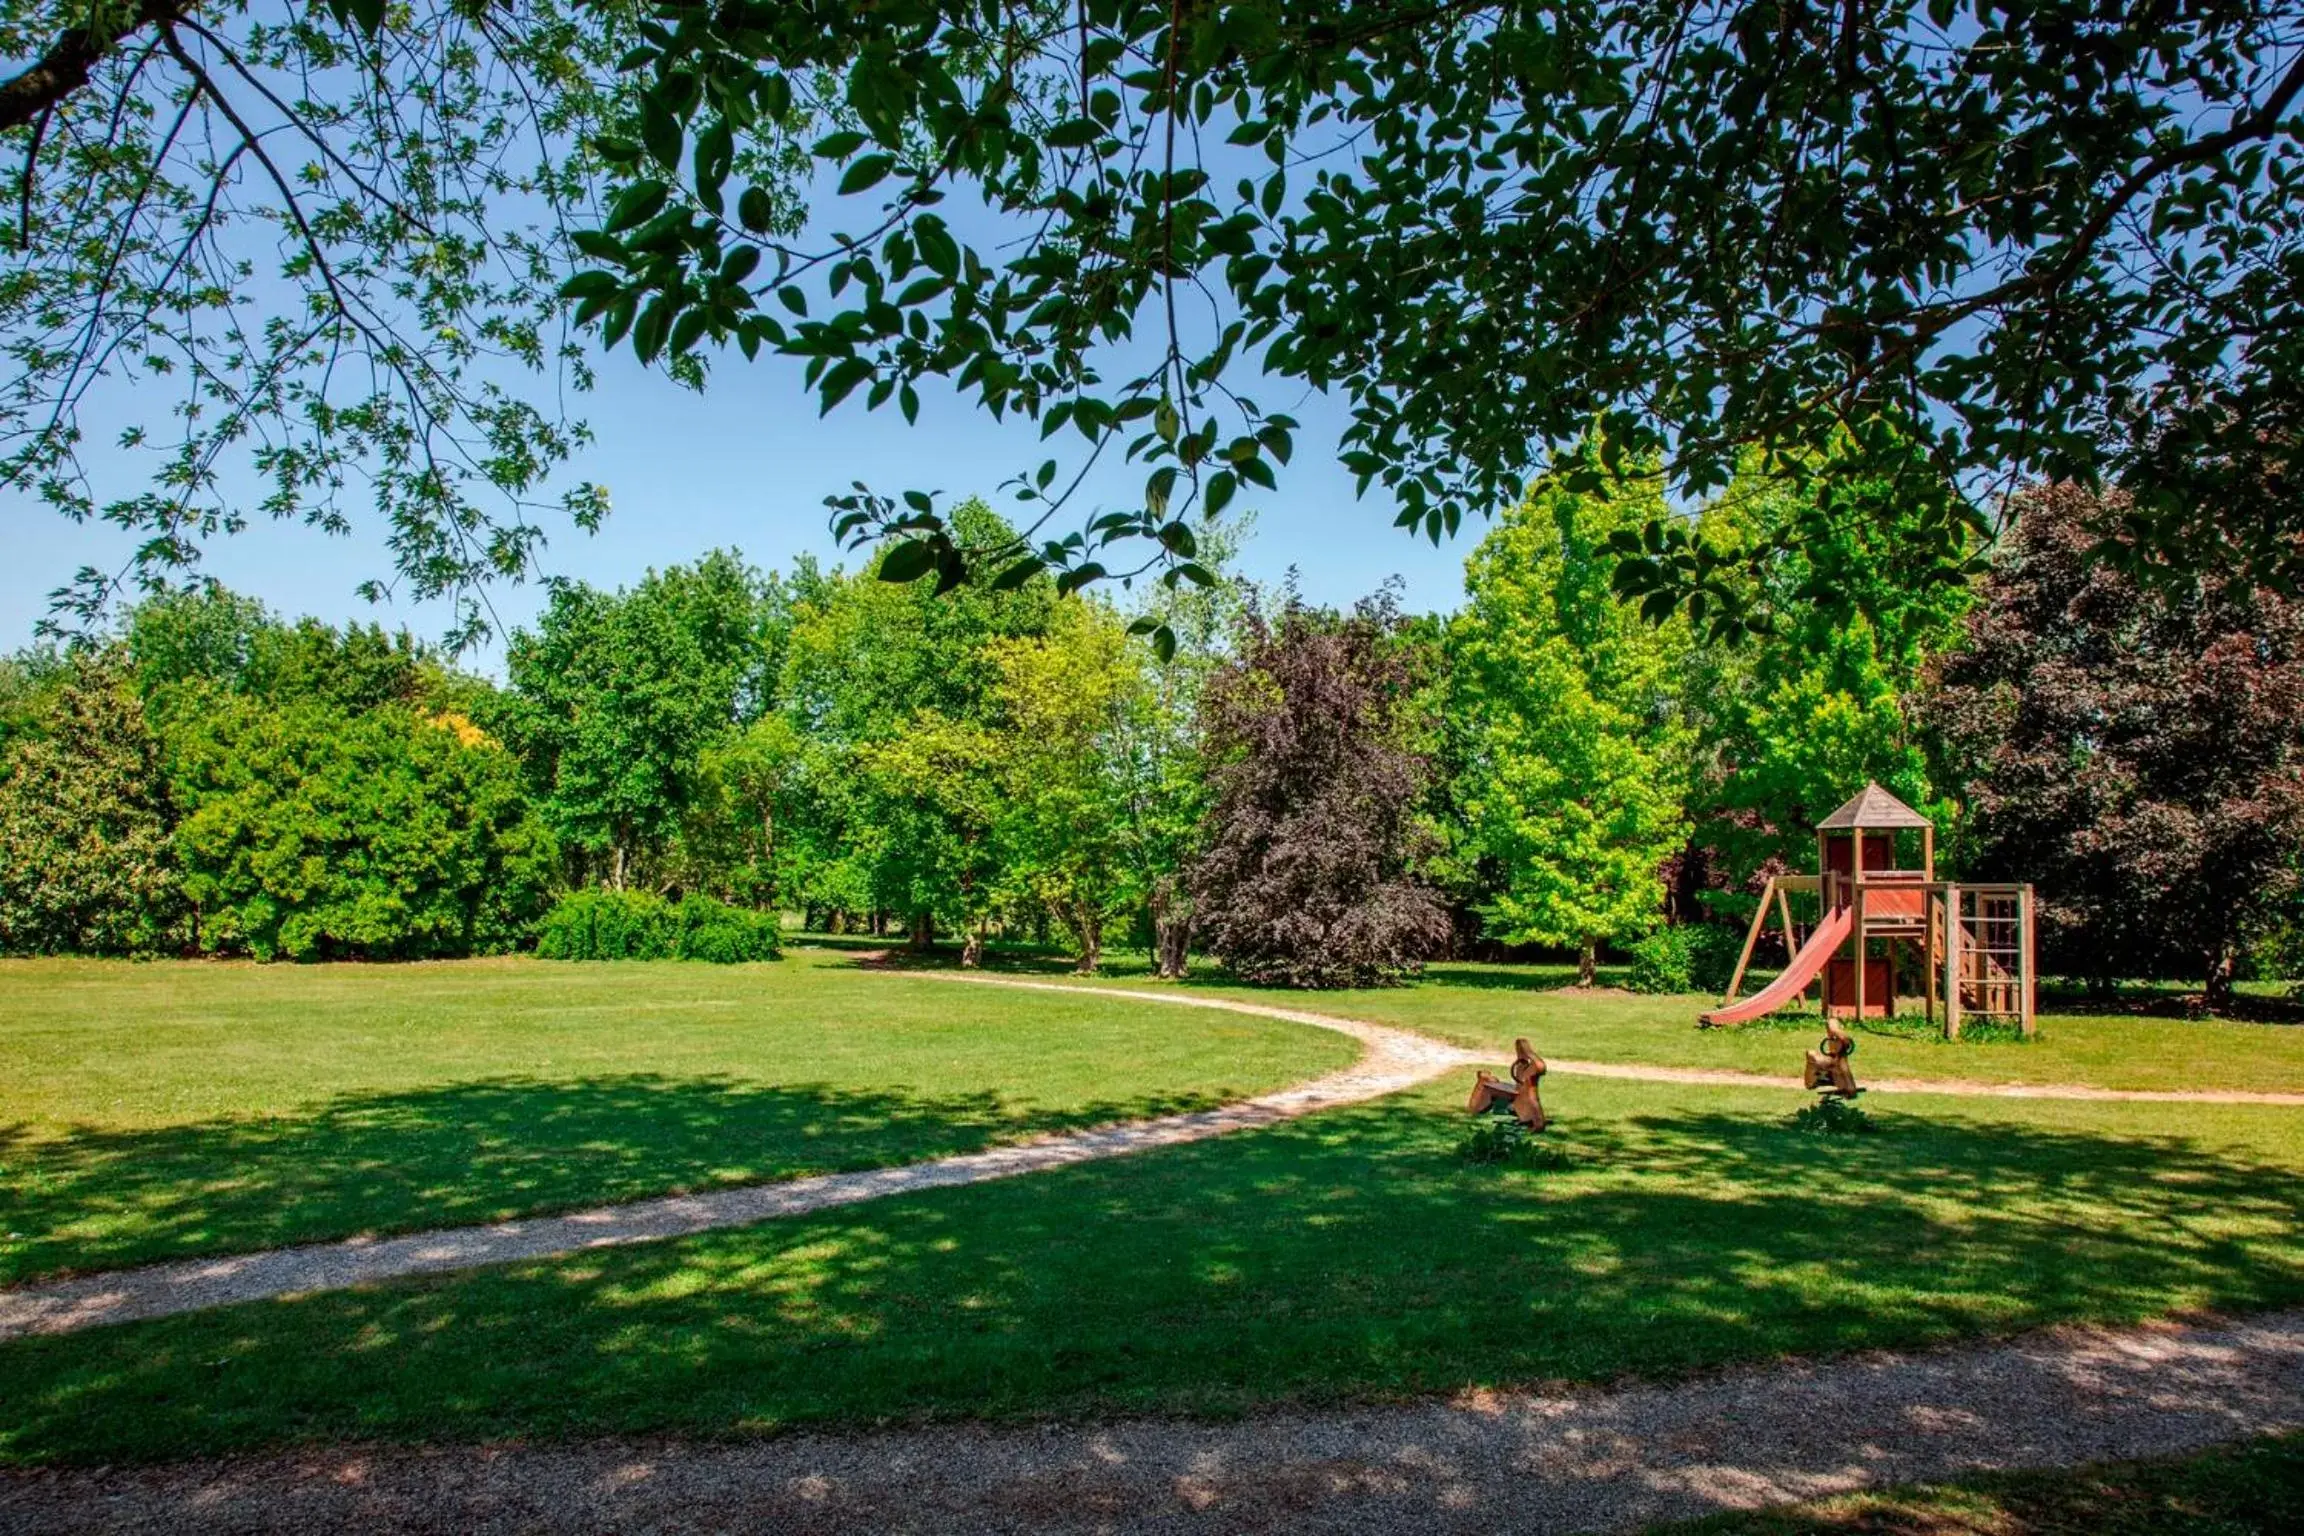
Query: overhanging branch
(73, 57)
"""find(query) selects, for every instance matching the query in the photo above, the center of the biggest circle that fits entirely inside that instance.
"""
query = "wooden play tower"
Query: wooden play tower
(1974, 942)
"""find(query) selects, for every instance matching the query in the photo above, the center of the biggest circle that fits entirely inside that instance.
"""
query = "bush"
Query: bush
(1692, 957)
(1500, 1139)
(638, 925)
(714, 931)
(1833, 1117)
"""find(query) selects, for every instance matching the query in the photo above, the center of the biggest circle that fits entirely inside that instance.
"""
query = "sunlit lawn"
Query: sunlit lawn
(157, 1110)
(1345, 1256)
(1485, 1006)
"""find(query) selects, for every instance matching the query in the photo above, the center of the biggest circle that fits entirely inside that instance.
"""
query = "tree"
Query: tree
(2137, 753)
(86, 863)
(891, 690)
(315, 246)
(1064, 703)
(727, 843)
(616, 696)
(1304, 880)
(1787, 724)
(1162, 754)
(2043, 238)
(1571, 789)
(317, 833)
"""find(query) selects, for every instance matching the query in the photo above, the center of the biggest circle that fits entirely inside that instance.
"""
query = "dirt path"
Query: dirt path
(1392, 1059)
(1641, 1072)
(1527, 1462)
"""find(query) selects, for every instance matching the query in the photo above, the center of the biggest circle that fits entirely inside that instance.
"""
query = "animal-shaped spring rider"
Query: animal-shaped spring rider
(1828, 1068)
(1517, 1098)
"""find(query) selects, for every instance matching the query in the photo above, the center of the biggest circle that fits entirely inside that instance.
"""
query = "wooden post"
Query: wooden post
(1784, 911)
(2028, 995)
(1856, 927)
(1928, 906)
(1951, 962)
(1928, 853)
(1751, 936)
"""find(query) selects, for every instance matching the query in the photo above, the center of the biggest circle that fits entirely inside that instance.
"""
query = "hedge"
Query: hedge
(638, 925)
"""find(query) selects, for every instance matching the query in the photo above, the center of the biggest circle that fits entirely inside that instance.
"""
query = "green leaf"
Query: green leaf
(654, 326)
(636, 204)
(842, 379)
(661, 132)
(908, 561)
(740, 264)
(866, 173)
(756, 211)
(589, 284)
(1018, 574)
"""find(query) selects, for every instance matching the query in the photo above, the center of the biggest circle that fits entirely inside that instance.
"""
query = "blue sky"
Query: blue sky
(747, 465)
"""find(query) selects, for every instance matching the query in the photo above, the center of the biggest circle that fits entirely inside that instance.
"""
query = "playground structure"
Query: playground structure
(1974, 942)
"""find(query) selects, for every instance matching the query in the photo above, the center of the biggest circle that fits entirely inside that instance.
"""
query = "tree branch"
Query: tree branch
(73, 57)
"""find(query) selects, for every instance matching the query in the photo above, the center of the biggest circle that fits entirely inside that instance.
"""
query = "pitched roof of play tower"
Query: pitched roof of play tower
(1873, 810)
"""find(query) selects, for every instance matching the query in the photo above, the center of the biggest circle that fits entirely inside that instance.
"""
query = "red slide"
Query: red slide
(1821, 946)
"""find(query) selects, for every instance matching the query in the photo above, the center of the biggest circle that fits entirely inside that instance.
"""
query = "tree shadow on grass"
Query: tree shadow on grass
(469, 1152)
(1346, 1256)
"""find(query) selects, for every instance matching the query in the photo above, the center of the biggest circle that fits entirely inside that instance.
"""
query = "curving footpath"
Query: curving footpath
(1393, 1059)
(1539, 1463)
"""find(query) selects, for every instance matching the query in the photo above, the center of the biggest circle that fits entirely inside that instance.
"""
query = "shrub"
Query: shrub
(1506, 1141)
(638, 925)
(1692, 957)
(1833, 1117)
(714, 931)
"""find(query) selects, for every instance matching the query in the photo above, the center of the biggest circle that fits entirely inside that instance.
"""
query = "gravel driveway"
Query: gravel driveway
(1525, 1462)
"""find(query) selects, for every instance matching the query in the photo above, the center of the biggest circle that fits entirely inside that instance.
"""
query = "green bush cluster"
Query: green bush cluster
(1690, 957)
(640, 925)
(1506, 1141)
(1833, 1117)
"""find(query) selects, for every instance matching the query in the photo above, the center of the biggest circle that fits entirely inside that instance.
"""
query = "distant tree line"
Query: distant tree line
(1310, 796)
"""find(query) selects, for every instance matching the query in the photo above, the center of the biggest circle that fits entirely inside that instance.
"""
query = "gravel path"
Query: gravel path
(1393, 1059)
(1641, 1072)
(1526, 1462)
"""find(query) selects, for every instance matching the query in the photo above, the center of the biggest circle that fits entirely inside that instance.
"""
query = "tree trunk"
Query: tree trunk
(923, 933)
(616, 865)
(972, 952)
(1171, 946)
(1588, 963)
(2219, 988)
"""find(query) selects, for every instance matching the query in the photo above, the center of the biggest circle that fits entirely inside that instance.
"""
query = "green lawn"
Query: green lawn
(2249, 1490)
(1485, 1006)
(1349, 1255)
(157, 1110)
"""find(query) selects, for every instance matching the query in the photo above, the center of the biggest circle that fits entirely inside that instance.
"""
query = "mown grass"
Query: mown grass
(1483, 1005)
(153, 1111)
(1347, 1256)
(2255, 1489)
